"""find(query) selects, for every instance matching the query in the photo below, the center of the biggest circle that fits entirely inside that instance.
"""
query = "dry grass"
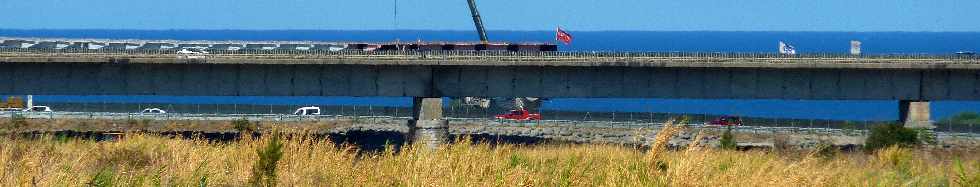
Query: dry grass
(147, 160)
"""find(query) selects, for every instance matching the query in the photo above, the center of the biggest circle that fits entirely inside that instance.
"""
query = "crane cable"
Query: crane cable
(395, 17)
(395, 20)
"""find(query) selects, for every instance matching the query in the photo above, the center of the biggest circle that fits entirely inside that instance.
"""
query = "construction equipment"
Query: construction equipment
(519, 103)
(12, 103)
(478, 22)
(726, 121)
(519, 115)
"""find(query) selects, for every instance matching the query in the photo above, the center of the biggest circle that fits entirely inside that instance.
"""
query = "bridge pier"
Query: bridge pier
(427, 125)
(914, 114)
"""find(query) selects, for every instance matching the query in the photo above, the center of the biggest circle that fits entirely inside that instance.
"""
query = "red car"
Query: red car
(519, 115)
(727, 121)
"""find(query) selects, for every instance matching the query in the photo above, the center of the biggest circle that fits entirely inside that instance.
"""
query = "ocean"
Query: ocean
(933, 43)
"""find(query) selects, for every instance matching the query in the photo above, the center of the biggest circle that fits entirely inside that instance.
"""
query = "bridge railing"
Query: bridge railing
(495, 55)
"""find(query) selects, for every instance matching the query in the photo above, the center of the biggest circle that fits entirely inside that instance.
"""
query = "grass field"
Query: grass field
(149, 160)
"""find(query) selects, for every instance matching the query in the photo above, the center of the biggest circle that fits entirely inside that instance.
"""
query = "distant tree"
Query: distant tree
(963, 118)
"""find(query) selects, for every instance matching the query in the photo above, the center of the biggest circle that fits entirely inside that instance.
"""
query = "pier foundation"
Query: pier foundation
(427, 125)
(914, 114)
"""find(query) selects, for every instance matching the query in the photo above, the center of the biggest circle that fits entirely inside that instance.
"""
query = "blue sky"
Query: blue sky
(581, 15)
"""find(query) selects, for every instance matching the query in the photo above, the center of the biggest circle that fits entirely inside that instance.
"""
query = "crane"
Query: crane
(520, 103)
(478, 22)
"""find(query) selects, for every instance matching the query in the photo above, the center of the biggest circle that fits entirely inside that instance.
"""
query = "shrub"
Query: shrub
(516, 160)
(926, 136)
(728, 140)
(264, 170)
(895, 157)
(963, 176)
(882, 136)
(243, 125)
(105, 177)
(825, 150)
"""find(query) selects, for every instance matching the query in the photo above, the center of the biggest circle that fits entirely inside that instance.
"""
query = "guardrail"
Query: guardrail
(182, 116)
(498, 55)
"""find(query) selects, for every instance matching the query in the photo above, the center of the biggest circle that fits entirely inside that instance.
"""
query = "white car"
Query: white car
(307, 111)
(192, 51)
(39, 109)
(153, 111)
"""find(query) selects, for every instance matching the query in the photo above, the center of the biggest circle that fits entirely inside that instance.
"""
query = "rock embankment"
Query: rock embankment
(627, 135)
(645, 136)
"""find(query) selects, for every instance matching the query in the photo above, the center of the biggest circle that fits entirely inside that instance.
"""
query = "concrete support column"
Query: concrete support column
(427, 126)
(914, 114)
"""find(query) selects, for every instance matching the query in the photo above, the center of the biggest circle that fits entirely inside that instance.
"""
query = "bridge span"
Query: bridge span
(428, 76)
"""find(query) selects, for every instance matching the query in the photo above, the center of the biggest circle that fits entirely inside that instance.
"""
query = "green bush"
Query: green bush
(964, 177)
(824, 149)
(105, 177)
(883, 136)
(243, 125)
(926, 136)
(518, 160)
(264, 170)
(728, 140)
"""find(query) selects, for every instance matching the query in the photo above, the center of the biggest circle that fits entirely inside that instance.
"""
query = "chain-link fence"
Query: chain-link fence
(469, 113)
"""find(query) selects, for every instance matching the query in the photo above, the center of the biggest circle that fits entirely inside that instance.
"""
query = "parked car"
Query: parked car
(519, 115)
(192, 53)
(308, 111)
(39, 109)
(965, 53)
(153, 111)
(726, 121)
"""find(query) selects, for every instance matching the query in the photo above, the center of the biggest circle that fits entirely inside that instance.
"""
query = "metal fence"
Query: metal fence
(456, 112)
(184, 117)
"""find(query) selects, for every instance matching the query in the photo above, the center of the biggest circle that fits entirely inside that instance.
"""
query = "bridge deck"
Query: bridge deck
(572, 59)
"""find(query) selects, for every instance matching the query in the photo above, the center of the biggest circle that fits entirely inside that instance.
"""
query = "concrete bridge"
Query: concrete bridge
(428, 76)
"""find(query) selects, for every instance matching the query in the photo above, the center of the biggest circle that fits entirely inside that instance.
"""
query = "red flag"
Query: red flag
(563, 36)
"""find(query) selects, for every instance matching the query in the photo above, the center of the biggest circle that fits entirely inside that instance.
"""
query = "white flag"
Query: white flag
(855, 47)
(786, 49)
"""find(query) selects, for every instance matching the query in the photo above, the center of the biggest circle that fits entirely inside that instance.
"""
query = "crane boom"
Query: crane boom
(478, 22)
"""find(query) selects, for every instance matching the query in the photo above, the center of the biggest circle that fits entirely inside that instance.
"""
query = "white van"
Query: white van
(38, 109)
(308, 111)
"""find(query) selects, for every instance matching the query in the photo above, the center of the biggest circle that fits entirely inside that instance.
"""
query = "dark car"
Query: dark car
(726, 121)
